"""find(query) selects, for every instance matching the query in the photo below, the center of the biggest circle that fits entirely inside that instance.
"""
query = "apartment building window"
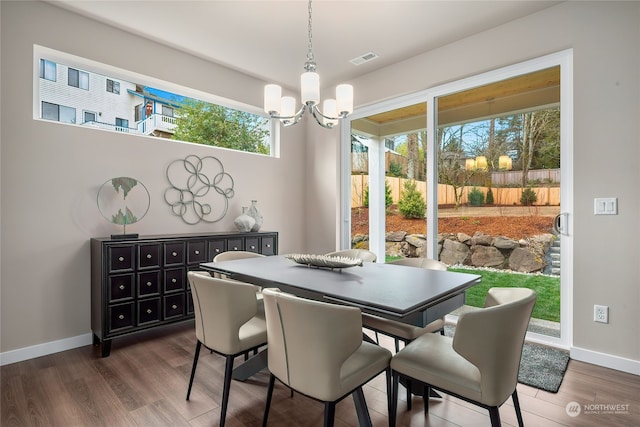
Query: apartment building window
(78, 79)
(113, 86)
(122, 124)
(167, 111)
(89, 116)
(59, 113)
(47, 70)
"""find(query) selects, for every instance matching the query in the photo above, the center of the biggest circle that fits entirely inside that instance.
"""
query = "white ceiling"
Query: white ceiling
(268, 39)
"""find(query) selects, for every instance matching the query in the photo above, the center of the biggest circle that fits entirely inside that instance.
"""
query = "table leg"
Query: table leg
(251, 367)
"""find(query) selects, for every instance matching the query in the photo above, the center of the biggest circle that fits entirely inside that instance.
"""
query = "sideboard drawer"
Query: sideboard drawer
(149, 311)
(121, 317)
(120, 287)
(235, 245)
(174, 306)
(252, 244)
(174, 279)
(121, 258)
(149, 256)
(149, 283)
(173, 253)
(216, 247)
(268, 245)
(197, 252)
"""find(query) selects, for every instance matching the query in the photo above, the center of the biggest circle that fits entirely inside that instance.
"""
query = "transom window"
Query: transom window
(135, 104)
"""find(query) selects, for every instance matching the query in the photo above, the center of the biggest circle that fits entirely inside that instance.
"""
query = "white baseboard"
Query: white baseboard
(44, 349)
(606, 360)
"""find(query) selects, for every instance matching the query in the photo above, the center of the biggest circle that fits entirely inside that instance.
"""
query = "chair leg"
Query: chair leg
(387, 376)
(494, 414)
(193, 368)
(228, 371)
(364, 419)
(272, 380)
(426, 393)
(329, 413)
(409, 396)
(376, 335)
(516, 405)
(394, 398)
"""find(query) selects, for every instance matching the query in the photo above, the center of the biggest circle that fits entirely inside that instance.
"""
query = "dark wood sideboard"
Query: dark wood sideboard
(141, 283)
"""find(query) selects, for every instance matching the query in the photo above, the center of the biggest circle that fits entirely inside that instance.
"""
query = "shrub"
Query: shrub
(489, 200)
(528, 197)
(411, 203)
(388, 199)
(476, 197)
(395, 169)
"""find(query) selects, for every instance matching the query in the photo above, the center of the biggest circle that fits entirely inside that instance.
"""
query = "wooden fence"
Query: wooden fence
(501, 196)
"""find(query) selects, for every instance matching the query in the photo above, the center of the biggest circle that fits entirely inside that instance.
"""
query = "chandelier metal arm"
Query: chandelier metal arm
(289, 120)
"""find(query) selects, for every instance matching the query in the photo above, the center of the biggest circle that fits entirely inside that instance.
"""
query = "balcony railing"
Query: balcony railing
(145, 127)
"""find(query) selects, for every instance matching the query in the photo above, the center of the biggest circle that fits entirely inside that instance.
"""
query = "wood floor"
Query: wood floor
(144, 383)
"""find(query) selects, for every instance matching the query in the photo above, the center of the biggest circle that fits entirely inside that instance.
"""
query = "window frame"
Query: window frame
(118, 75)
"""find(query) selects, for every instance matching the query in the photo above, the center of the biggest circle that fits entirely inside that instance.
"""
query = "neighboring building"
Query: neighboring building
(75, 96)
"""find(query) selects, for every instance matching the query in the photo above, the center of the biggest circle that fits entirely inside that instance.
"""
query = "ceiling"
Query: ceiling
(268, 39)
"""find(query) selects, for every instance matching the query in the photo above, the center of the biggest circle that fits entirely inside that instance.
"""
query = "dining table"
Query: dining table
(411, 295)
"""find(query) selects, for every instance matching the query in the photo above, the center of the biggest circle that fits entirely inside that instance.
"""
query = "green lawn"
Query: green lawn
(547, 288)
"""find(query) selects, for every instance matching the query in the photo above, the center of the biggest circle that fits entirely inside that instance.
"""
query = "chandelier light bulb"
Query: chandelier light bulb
(288, 106)
(272, 95)
(310, 84)
(344, 98)
(329, 110)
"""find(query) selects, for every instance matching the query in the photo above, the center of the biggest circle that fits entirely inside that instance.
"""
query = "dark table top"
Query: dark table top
(375, 287)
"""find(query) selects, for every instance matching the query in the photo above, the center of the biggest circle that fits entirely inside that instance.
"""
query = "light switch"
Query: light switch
(606, 206)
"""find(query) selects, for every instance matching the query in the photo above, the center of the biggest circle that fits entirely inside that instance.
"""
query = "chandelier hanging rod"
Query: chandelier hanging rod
(284, 107)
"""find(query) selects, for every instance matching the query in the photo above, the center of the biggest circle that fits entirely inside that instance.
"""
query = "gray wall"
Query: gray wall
(605, 37)
(50, 173)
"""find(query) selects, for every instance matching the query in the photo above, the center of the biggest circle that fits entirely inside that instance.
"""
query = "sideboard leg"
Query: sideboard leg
(106, 348)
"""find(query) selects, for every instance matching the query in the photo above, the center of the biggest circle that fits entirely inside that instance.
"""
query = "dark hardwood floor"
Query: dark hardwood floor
(144, 383)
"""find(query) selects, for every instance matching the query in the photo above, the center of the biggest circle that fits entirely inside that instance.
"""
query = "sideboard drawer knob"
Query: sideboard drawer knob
(121, 259)
(173, 280)
(235, 248)
(268, 245)
(217, 250)
(149, 311)
(148, 256)
(253, 247)
(174, 306)
(174, 253)
(149, 284)
(197, 252)
(121, 317)
(121, 287)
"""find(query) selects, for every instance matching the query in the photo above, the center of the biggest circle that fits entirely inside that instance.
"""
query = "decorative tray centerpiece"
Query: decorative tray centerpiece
(325, 261)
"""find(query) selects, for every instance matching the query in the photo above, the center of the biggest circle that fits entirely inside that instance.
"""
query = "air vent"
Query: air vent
(369, 56)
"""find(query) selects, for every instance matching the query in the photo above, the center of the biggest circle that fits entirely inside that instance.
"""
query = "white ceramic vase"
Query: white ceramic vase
(244, 222)
(256, 215)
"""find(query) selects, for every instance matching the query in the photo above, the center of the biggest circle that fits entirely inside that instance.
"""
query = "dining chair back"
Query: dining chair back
(480, 363)
(227, 322)
(316, 349)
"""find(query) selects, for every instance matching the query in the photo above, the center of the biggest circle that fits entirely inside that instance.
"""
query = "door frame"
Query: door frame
(564, 59)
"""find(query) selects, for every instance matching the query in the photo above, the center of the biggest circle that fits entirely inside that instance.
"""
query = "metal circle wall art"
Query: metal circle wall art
(200, 189)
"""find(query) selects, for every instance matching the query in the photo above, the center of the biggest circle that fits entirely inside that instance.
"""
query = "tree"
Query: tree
(211, 124)
(413, 155)
(411, 203)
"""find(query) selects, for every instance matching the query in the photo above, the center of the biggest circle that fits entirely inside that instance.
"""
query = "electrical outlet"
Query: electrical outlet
(601, 313)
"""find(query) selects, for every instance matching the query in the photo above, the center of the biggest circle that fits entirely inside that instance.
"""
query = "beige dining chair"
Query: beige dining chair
(480, 363)
(316, 349)
(227, 322)
(231, 255)
(363, 254)
(403, 331)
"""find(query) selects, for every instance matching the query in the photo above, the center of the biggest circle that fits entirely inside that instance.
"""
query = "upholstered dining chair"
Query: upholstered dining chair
(480, 363)
(227, 322)
(363, 254)
(231, 255)
(400, 331)
(403, 331)
(316, 349)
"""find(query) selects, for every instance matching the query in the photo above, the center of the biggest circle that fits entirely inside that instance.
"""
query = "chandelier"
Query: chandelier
(284, 107)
